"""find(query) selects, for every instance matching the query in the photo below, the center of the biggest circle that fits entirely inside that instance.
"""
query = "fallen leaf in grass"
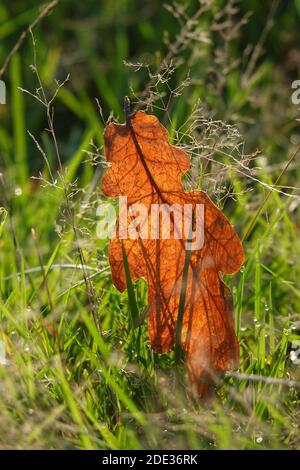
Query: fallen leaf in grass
(147, 170)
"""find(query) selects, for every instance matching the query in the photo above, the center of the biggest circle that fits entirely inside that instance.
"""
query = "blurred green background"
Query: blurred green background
(91, 41)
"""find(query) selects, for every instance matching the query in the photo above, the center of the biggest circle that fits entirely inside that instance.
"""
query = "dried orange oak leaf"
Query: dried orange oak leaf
(147, 169)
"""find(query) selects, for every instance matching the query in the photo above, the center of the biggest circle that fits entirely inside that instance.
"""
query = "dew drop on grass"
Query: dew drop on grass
(242, 269)
(267, 308)
(18, 191)
(295, 357)
(259, 439)
(243, 328)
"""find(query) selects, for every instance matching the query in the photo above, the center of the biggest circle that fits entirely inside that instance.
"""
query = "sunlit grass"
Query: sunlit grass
(69, 379)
